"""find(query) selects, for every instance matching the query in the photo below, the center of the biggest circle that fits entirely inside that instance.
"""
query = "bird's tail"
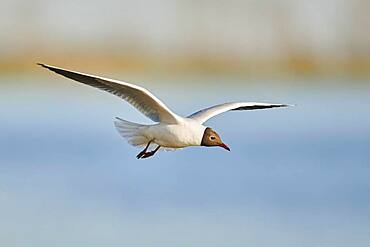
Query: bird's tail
(132, 132)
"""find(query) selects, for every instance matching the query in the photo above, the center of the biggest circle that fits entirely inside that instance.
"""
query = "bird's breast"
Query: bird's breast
(176, 135)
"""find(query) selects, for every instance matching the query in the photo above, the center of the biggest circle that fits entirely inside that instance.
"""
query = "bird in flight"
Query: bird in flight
(170, 130)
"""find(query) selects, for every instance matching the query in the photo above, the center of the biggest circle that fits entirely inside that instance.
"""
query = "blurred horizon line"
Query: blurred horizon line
(293, 64)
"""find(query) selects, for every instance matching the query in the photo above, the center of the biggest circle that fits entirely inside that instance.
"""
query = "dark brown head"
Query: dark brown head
(211, 139)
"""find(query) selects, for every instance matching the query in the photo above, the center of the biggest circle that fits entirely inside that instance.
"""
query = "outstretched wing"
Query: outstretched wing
(205, 114)
(137, 96)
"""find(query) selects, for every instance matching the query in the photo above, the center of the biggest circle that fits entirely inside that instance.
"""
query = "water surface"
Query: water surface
(294, 177)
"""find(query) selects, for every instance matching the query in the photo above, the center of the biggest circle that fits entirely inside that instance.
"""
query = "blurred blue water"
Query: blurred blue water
(295, 177)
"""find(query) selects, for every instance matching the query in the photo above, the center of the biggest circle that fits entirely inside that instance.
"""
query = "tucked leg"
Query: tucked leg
(151, 153)
(141, 154)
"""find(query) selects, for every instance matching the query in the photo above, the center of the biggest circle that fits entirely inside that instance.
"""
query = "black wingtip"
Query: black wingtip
(282, 105)
(42, 65)
(48, 67)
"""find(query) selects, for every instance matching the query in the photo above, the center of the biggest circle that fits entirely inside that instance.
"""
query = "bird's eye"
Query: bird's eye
(213, 138)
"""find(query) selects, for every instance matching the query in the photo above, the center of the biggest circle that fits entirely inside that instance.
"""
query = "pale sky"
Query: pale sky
(259, 28)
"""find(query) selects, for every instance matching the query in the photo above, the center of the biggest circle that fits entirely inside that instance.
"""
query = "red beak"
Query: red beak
(223, 145)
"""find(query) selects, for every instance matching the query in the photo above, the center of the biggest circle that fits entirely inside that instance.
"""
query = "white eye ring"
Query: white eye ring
(212, 138)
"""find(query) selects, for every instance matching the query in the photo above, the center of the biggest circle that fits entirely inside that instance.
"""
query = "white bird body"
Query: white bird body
(187, 132)
(171, 130)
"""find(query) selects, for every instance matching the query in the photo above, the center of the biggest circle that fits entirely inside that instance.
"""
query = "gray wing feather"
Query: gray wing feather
(137, 96)
(205, 114)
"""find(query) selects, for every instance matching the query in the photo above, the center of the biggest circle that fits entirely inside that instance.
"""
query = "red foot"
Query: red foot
(147, 154)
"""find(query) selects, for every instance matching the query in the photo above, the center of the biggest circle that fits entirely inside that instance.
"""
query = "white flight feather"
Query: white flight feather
(137, 96)
(205, 114)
